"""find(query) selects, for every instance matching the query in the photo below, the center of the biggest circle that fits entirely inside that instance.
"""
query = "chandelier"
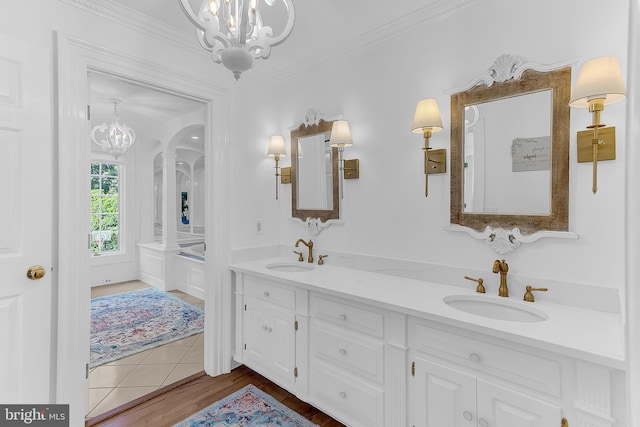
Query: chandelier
(233, 31)
(115, 138)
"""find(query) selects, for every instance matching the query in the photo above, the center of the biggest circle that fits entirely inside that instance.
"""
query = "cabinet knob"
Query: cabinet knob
(343, 317)
(342, 351)
(467, 415)
(343, 395)
(266, 294)
(483, 423)
(474, 357)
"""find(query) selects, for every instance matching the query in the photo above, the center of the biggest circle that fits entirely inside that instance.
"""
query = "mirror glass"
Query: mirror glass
(507, 151)
(314, 173)
(510, 153)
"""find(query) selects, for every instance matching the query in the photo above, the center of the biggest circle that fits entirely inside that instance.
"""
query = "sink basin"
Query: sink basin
(494, 308)
(289, 267)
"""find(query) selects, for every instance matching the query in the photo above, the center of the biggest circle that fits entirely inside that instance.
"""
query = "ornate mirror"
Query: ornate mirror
(510, 152)
(314, 172)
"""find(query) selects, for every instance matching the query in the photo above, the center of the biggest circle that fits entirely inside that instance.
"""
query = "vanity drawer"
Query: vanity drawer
(520, 367)
(349, 399)
(348, 315)
(270, 292)
(354, 352)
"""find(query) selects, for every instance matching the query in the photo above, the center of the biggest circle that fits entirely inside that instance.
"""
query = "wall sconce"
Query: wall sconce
(599, 83)
(276, 150)
(427, 120)
(340, 138)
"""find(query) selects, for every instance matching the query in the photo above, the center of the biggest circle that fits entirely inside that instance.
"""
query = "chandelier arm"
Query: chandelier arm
(186, 8)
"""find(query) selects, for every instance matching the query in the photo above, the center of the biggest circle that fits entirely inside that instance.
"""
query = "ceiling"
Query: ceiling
(324, 29)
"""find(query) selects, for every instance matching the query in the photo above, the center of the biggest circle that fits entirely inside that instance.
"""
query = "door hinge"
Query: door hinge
(245, 307)
(413, 369)
(295, 372)
(88, 112)
(245, 346)
(295, 325)
(86, 371)
(564, 423)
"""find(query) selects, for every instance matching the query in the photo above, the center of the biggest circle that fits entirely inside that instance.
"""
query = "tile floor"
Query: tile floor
(124, 380)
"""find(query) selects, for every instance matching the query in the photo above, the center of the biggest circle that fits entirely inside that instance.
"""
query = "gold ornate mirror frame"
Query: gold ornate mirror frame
(510, 78)
(309, 129)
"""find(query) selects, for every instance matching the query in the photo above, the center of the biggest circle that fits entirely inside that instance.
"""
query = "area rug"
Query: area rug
(247, 407)
(131, 322)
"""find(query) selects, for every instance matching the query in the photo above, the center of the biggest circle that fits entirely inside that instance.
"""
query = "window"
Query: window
(105, 208)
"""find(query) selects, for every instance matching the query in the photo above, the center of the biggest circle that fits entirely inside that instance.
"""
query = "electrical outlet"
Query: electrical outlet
(107, 281)
(258, 226)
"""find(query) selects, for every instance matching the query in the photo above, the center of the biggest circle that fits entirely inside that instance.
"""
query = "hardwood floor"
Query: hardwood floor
(174, 405)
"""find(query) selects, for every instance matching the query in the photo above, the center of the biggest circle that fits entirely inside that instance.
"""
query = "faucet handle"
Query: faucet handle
(528, 296)
(480, 288)
(321, 259)
(300, 258)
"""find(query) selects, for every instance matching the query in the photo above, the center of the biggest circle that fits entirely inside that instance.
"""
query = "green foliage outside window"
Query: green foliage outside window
(105, 207)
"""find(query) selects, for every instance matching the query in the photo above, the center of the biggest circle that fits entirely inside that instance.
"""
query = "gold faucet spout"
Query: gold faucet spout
(309, 245)
(500, 266)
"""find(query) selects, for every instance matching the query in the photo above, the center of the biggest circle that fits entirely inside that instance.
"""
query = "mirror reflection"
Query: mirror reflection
(315, 172)
(507, 155)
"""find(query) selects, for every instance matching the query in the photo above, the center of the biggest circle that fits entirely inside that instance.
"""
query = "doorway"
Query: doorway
(122, 217)
(75, 58)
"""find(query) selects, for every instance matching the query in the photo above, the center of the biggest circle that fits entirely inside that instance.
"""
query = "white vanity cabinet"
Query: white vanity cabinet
(459, 381)
(268, 335)
(347, 360)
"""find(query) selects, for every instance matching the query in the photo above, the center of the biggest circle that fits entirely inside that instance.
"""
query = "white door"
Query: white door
(501, 407)
(25, 221)
(443, 396)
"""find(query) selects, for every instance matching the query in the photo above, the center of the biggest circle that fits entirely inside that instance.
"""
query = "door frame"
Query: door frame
(75, 57)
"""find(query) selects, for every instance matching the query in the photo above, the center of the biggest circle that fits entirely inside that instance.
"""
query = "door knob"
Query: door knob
(35, 272)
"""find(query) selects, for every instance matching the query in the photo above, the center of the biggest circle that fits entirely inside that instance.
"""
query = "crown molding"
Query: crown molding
(137, 21)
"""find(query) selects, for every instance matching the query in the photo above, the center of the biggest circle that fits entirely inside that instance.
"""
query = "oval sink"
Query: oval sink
(289, 267)
(495, 309)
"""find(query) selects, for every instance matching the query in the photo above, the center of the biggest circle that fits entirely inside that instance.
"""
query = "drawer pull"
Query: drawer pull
(266, 294)
(467, 415)
(474, 357)
(343, 395)
(343, 317)
(342, 351)
(483, 423)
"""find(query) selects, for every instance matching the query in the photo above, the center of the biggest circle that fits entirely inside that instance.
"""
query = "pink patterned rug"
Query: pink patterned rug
(131, 322)
(247, 407)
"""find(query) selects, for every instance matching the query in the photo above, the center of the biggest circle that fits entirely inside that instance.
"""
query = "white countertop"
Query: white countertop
(590, 335)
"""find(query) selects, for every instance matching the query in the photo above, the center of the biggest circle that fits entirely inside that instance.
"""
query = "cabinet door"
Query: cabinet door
(502, 407)
(443, 396)
(269, 334)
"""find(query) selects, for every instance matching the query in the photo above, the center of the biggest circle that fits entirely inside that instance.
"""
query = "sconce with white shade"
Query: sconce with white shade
(341, 138)
(277, 150)
(599, 83)
(426, 121)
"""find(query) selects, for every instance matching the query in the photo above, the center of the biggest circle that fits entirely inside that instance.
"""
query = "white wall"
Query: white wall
(376, 89)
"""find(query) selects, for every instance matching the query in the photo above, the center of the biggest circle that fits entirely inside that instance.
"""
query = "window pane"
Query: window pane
(95, 168)
(110, 185)
(109, 170)
(105, 207)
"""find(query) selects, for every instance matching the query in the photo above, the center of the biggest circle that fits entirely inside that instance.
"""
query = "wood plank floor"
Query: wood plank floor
(179, 403)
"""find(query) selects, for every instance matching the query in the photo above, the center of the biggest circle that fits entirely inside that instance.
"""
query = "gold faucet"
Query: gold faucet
(308, 245)
(528, 296)
(480, 288)
(502, 267)
(300, 259)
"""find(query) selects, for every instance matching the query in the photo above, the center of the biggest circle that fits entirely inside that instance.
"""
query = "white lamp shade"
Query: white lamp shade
(427, 116)
(340, 134)
(599, 78)
(276, 146)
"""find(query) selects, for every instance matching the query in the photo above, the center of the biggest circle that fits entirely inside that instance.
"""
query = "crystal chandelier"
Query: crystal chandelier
(233, 31)
(115, 138)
